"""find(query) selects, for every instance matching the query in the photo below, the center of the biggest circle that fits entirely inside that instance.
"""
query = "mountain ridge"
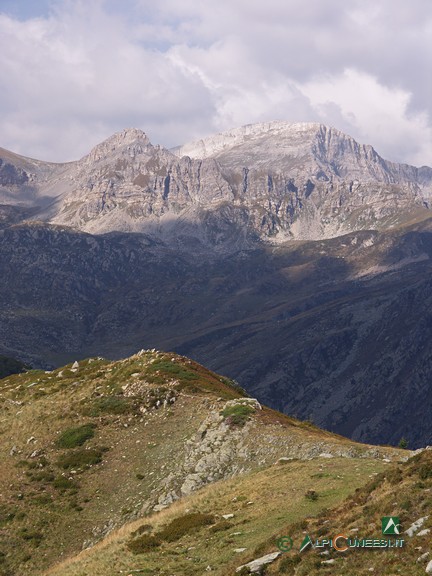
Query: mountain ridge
(267, 182)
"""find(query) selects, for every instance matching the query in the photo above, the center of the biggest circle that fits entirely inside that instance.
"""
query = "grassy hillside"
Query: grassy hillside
(93, 446)
(192, 537)
(261, 503)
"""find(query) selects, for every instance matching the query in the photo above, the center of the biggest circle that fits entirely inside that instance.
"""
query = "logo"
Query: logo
(341, 542)
(306, 543)
(285, 543)
(390, 525)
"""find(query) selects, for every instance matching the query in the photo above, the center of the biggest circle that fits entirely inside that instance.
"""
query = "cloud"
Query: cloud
(360, 105)
(180, 69)
(69, 80)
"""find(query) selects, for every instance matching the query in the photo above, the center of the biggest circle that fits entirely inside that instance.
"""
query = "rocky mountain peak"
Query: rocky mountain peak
(130, 142)
(298, 133)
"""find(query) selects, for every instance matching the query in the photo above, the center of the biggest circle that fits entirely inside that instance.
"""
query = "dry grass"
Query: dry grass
(262, 503)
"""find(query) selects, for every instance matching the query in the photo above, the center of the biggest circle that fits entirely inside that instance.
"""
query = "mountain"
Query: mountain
(274, 181)
(96, 444)
(287, 256)
(11, 366)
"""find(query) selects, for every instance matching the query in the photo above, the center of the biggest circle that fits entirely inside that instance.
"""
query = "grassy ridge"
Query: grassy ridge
(92, 446)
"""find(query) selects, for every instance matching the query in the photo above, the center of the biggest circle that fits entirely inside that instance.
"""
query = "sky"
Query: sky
(73, 72)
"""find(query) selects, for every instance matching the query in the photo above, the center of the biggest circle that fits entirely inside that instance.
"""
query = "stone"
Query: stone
(259, 563)
(429, 568)
(423, 557)
(415, 526)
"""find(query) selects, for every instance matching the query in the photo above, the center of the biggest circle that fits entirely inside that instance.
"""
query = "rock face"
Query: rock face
(273, 182)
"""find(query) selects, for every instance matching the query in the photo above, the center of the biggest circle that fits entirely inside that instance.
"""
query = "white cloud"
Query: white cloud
(72, 79)
(373, 113)
(180, 69)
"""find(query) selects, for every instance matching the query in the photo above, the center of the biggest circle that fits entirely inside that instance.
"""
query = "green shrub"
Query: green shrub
(185, 524)
(261, 548)
(141, 529)
(172, 369)
(62, 483)
(6, 514)
(220, 526)
(43, 476)
(237, 415)
(31, 536)
(425, 471)
(145, 543)
(406, 504)
(43, 500)
(73, 437)
(403, 443)
(311, 495)
(109, 405)
(80, 458)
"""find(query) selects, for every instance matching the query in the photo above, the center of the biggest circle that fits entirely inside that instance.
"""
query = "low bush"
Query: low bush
(237, 415)
(222, 525)
(142, 529)
(394, 476)
(62, 483)
(74, 437)
(43, 476)
(185, 524)
(108, 405)
(235, 385)
(143, 544)
(42, 500)
(311, 495)
(81, 458)
(172, 369)
(425, 470)
(31, 536)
